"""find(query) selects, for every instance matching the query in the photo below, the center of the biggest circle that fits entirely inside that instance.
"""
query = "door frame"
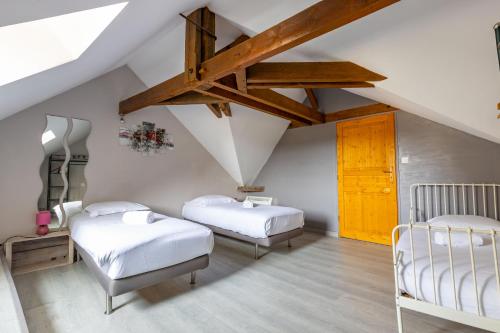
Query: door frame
(340, 170)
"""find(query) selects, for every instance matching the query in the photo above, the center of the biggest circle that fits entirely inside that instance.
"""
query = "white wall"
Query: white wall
(114, 172)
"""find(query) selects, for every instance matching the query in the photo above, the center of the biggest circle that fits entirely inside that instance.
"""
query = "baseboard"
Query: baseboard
(328, 233)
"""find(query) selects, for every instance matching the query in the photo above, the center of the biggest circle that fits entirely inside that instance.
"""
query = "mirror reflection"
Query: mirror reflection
(64, 144)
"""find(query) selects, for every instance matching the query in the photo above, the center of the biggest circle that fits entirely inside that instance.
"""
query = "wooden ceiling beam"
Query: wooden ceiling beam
(272, 99)
(320, 18)
(362, 111)
(310, 85)
(192, 53)
(287, 104)
(192, 98)
(207, 39)
(269, 72)
(251, 103)
(199, 42)
(312, 98)
(157, 94)
(241, 80)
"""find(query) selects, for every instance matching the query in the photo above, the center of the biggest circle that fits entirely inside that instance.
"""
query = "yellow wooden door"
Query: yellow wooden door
(366, 158)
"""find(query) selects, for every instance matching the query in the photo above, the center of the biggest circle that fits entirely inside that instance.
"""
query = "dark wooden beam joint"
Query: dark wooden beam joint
(215, 110)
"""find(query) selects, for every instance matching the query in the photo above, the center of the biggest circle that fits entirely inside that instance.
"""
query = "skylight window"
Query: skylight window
(48, 136)
(32, 47)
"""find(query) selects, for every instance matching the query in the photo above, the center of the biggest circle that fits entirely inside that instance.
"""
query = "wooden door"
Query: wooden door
(366, 158)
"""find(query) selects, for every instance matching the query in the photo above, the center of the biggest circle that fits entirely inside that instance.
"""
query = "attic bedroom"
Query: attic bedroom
(250, 166)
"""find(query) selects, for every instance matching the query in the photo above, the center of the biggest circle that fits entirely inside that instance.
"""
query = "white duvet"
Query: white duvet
(260, 221)
(123, 250)
(488, 294)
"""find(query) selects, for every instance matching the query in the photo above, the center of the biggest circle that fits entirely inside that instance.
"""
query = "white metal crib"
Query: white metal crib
(431, 200)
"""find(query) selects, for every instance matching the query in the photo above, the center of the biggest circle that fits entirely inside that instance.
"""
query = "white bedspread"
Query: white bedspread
(259, 222)
(122, 250)
(488, 293)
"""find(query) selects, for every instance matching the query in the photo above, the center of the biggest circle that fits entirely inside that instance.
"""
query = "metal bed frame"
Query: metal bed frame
(431, 200)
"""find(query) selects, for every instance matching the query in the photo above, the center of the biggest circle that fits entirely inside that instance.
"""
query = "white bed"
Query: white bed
(485, 274)
(258, 224)
(260, 221)
(122, 250)
(446, 259)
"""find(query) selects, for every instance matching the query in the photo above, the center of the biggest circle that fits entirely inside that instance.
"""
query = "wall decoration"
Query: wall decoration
(145, 138)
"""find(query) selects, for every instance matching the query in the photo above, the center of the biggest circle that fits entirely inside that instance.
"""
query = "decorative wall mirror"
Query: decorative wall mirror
(62, 171)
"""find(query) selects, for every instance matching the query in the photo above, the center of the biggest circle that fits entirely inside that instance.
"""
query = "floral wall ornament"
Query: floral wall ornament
(145, 138)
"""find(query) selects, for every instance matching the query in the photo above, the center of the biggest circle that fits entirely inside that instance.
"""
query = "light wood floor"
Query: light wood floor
(322, 284)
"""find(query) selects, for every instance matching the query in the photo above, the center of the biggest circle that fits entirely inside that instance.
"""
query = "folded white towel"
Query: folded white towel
(138, 217)
(247, 204)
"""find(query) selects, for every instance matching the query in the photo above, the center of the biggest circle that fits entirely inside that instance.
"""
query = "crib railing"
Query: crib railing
(431, 200)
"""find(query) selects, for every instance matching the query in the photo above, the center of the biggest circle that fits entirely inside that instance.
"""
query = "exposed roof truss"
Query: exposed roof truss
(237, 74)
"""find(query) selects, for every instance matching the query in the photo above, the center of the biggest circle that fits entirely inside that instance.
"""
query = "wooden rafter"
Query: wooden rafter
(362, 111)
(192, 55)
(320, 18)
(310, 85)
(271, 98)
(240, 99)
(241, 80)
(272, 72)
(204, 68)
(200, 43)
(312, 98)
(192, 98)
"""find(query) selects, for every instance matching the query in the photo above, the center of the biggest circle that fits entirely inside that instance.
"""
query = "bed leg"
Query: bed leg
(400, 319)
(193, 278)
(256, 251)
(289, 243)
(109, 304)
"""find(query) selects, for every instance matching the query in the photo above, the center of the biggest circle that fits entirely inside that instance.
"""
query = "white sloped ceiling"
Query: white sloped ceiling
(439, 57)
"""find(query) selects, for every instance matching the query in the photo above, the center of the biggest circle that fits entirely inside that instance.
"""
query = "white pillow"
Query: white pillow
(461, 238)
(113, 207)
(210, 200)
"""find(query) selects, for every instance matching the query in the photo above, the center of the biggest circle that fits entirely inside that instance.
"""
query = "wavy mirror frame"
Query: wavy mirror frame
(76, 131)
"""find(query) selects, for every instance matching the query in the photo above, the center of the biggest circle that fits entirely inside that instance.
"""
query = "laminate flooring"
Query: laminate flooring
(321, 284)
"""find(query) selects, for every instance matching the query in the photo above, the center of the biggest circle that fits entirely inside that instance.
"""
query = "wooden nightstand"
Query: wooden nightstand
(26, 255)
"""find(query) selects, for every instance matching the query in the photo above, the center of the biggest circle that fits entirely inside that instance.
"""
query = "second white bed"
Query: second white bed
(122, 250)
(260, 221)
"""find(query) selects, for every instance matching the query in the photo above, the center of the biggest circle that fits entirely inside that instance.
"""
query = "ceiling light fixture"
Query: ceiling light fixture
(32, 47)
